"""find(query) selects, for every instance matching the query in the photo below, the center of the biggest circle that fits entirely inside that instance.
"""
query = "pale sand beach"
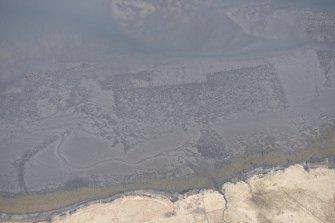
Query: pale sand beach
(290, 195)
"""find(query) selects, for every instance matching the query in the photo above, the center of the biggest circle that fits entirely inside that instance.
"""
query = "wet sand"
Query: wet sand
(43, 205)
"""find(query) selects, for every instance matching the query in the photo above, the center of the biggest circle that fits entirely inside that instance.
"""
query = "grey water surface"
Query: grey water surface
(107, 91)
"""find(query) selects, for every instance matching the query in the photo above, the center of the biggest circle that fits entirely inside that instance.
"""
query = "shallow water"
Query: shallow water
(109, 96)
